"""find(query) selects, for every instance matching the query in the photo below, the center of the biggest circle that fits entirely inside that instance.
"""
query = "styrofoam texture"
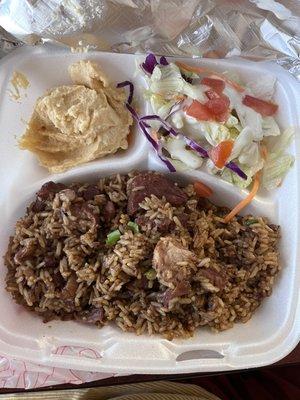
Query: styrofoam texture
(274, 329)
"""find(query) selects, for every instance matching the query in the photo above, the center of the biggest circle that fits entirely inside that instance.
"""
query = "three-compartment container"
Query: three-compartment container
(273, 331)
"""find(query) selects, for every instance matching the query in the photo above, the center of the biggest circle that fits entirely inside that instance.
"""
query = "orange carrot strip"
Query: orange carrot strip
(264, 151)
(190, 68)
(212, 74)
(202, 190)
(247, 200)
(154, 135)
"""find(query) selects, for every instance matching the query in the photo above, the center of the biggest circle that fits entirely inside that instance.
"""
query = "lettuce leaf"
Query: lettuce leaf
(248, 117)
(251, 155)
(278, 162)
(278, 145)
(270, 127)
(161, 106)
(275, 170)
(242, 143)
(263, 88)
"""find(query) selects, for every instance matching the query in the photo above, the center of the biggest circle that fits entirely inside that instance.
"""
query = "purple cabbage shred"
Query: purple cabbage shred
(235, 168)
(151, 62)
(131, 89)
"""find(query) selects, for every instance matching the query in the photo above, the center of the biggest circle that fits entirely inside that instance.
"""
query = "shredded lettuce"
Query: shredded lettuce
(234, 132)
(161, 106)
(177, 120)
(232, 121)
(247, 116)
(188, 74)
(177, 149)
(214, 132)
(180, 166)
(168, 81)
(234, 179)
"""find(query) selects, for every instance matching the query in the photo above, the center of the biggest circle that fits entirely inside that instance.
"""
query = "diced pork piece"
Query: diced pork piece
(90, 192)
(49, 189)
(109, 211)
(93, 315)
(217, 278)
(173, 262)
(181, 289)
(67, 195)
(70, 289)
(147, 183)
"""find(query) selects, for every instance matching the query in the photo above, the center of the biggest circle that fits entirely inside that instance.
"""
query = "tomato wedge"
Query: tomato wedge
(215, 109)
(211, 94)
(218, 105)
(265, 108)
(199, 111)
(202, 190)
(216, 84)
(220, 153)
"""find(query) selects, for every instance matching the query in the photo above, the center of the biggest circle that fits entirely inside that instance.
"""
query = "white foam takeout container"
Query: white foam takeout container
(274, 329)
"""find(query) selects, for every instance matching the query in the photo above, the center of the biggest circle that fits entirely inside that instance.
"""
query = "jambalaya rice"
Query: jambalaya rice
(176, 268)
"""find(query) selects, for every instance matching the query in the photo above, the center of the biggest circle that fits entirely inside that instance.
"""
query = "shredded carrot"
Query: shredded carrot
(212, 74)
(202, 190)
(154, 135)
(179, 97)
(245, 201)
(264, 151)
(190, 68)
(231, 83)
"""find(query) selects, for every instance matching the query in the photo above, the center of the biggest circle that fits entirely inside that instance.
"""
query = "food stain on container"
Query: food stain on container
(18, 81)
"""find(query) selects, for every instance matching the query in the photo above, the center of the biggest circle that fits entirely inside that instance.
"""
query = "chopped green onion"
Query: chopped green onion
(150, 274)
(251, 221)
(113, 237)
(133, 226)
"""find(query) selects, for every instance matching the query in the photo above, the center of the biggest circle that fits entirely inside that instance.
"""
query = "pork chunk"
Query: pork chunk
(147, 183)
(173, 262)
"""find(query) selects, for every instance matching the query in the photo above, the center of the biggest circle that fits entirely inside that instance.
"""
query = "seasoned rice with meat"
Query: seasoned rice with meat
(176, 267)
